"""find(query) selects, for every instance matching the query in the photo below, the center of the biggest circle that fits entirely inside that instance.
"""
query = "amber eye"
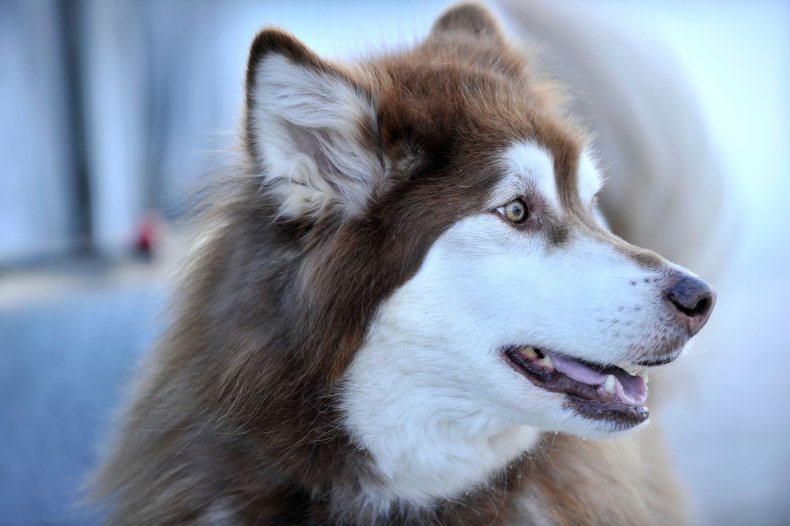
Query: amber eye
(515, 211)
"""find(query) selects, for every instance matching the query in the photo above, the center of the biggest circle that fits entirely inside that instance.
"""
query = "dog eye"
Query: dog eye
(515, 211)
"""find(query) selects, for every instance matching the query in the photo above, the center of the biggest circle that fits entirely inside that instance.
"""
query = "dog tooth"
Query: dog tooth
(609, 384)
(529, 353)
(546, 362)
(633, 370)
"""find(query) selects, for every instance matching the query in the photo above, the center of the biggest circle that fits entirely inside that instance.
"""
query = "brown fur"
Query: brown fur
(236, 421)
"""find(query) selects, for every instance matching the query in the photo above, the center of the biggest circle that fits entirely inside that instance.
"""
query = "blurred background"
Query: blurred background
(111, 110)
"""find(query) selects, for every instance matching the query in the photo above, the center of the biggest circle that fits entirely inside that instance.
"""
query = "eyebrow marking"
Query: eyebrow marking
(590, 178)
(527, 165)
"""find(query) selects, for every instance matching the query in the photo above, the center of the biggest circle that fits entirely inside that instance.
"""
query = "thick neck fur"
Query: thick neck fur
(203, 428)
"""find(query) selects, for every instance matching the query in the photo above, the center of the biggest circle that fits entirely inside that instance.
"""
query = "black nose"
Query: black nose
(694, 300)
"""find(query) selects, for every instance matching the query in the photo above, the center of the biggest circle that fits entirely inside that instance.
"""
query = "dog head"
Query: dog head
(448, 194)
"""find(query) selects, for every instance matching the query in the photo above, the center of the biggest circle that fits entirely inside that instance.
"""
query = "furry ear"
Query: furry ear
(468, 18)
(311, 129)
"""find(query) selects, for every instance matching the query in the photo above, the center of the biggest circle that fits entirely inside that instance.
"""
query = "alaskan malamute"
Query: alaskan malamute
(405, 308)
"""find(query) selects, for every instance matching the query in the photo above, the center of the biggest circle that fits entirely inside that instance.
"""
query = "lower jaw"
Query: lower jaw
(621, 418)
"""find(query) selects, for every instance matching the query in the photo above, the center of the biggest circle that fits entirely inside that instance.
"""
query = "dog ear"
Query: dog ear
(311, 128)
(470, 19)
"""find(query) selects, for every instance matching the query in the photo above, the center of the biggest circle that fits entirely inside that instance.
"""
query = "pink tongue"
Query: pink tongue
(631, 389)
(577, 371)
(628, 389)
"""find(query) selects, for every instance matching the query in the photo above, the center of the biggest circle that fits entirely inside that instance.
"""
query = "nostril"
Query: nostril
(703, 306)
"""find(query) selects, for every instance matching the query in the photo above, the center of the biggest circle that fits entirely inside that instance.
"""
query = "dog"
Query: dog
(405, 307)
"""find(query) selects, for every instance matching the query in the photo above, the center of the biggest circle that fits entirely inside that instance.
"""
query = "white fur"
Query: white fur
(430, 394)
(306, 127)
(526, 166)
(590, 179)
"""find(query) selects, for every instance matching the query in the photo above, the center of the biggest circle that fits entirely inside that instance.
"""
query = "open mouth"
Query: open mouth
(596, 391)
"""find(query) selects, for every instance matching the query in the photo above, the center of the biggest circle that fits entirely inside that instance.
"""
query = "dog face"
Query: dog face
(515, 321)
(510, 308)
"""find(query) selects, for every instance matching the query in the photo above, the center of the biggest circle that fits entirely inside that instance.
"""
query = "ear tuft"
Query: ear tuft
(311, 129)
(469, 18)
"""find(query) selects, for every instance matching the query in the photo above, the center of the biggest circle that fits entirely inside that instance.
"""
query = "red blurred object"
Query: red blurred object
(146, 237)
